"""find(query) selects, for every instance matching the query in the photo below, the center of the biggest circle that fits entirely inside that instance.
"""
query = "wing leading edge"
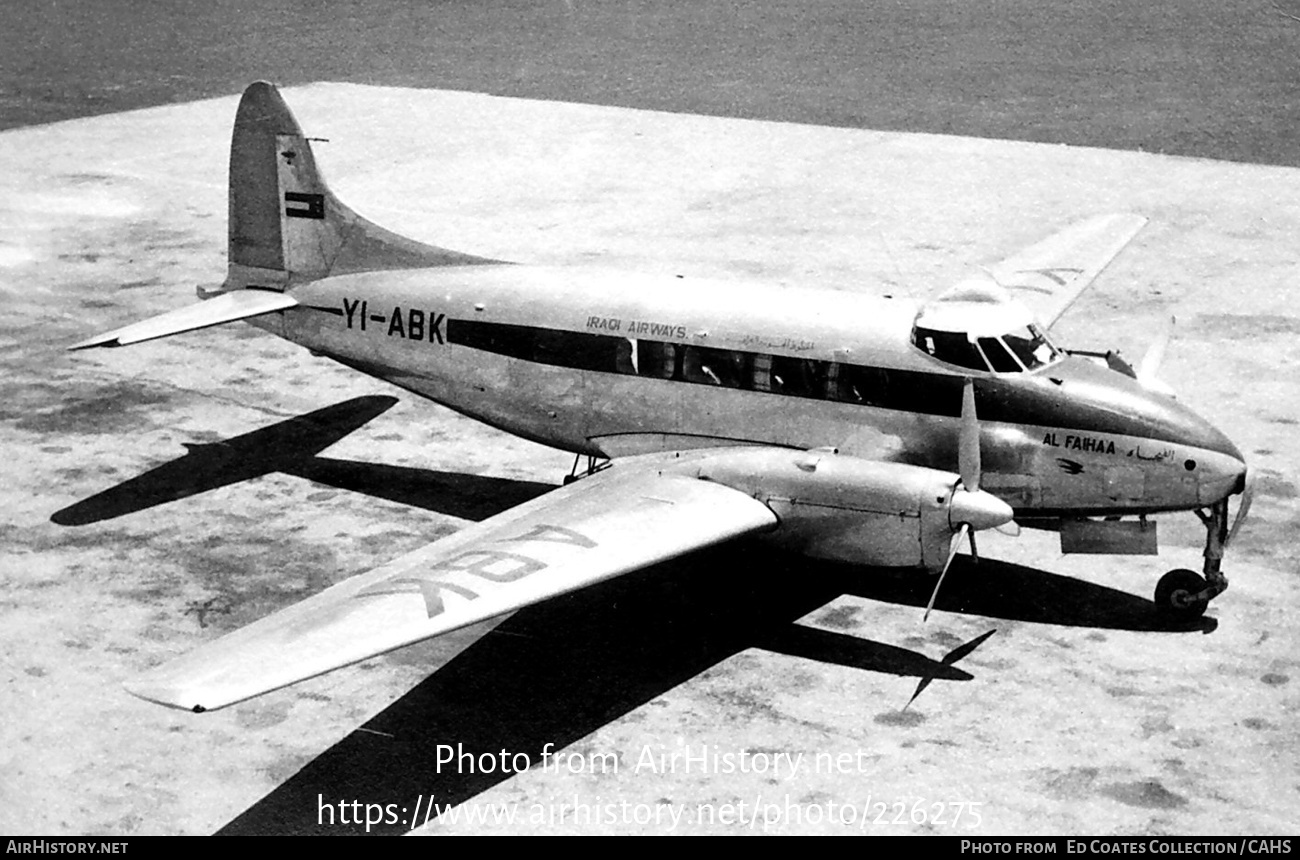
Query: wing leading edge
(622, 519)
(1049, 276)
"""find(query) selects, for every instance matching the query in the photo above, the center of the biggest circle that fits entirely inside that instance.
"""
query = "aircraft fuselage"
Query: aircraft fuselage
(612, 364)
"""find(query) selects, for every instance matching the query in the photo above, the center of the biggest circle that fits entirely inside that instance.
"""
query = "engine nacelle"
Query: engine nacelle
(847, 509)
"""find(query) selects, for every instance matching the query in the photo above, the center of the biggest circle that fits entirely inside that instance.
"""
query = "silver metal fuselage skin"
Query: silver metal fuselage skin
(1069, 439)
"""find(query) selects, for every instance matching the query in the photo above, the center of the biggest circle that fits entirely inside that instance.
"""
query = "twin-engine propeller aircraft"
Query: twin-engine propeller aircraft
(847, 427)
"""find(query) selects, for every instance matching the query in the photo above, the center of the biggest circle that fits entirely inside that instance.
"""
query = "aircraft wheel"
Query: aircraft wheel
(1174, 592)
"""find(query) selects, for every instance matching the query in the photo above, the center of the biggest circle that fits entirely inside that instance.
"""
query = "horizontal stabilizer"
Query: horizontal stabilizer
(228, 307)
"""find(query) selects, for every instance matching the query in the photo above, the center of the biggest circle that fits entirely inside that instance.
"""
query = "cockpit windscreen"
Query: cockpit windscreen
(1032, 347)
(1017, 351)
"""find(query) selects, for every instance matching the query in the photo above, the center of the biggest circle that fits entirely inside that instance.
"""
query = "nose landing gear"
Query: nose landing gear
(1186, 594)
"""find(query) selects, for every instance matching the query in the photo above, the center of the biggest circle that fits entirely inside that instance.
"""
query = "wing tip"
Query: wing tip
(168, 697)
(1127, 224)
(108, 340)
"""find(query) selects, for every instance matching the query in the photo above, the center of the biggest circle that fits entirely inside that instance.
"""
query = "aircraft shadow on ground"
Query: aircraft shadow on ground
(1000, 589)
(556, 672)
(552, 673)
(291, 447)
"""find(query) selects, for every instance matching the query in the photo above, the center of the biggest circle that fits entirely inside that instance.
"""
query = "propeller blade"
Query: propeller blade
(1247, 496)
(1011, 529)
(1155, 354)
(968, 443)
(1150, 364)
(974, 553)
(952, 553)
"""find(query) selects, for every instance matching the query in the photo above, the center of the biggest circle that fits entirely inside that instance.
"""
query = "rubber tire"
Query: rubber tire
(1184, 582)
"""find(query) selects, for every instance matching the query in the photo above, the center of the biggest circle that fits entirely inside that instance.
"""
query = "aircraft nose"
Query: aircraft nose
(1219, 466)
(1218, 476)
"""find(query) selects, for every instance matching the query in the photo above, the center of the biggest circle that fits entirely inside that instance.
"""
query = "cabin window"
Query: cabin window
(546, 346)
(760, 375)
(626, 358)
(857, 384)
(657, 360)
(793, 376)
(715, 366)
(583, 351)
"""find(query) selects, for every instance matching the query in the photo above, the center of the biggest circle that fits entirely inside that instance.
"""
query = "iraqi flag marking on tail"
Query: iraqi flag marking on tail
(309, 205)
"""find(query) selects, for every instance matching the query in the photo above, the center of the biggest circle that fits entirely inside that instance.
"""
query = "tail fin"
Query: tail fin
(285, 225)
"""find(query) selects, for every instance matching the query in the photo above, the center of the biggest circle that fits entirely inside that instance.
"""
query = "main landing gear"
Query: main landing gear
(594, 465)
(1184, 593)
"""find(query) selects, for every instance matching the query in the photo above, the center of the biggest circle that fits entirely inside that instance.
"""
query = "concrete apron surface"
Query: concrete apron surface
(1072, 723)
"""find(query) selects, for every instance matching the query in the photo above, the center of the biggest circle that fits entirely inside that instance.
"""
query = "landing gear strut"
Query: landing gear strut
(1186, 594)
(594, 465)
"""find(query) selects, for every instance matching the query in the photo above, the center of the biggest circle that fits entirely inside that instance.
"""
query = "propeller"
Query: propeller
(970, 508)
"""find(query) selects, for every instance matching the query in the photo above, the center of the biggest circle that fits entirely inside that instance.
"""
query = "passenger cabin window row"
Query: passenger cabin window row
(727, 368)
(923, 392)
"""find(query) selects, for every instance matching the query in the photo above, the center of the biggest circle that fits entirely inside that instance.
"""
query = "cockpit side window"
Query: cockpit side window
(1032, 347)
(952, 347)
(996, 352)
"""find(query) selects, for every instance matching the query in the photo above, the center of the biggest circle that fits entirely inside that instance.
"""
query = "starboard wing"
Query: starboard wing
(619, 520)
(1049, 276)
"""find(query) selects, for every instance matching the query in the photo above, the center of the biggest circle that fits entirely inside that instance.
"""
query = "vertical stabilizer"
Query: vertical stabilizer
(285, 225)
